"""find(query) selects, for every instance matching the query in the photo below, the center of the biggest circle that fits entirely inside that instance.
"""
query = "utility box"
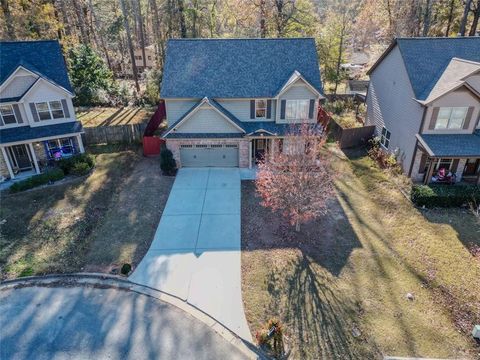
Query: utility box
(476, 332)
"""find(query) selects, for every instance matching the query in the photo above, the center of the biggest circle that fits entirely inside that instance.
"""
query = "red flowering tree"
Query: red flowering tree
(297, 180)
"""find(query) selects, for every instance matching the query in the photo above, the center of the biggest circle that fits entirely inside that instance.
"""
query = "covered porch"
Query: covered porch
(448, 159)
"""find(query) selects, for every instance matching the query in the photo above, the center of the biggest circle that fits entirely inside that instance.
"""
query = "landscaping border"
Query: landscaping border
(120, 283)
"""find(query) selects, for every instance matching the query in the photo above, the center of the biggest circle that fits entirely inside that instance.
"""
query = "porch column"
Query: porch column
(250, 154)
(429, 174)
(34, 158)
(271, 147)
(7, 162)
(80, 143)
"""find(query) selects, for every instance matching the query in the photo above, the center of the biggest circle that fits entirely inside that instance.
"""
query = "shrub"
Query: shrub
(270, 336)
(37, 180)
(67, 164)
(444, 195)
(80, 168)
(126, 268)
(167, 162)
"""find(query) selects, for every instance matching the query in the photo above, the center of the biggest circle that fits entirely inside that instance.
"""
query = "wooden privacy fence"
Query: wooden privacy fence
(129, 133)
(350, 137)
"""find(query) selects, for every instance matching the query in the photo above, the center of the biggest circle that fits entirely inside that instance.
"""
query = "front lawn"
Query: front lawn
(95, 223)
(341, 284)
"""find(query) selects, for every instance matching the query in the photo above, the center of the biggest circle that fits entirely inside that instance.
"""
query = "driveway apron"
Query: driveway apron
(195, 254)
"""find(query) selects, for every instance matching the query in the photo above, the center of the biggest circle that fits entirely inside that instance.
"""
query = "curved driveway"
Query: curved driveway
(97, 323)
(195, 254)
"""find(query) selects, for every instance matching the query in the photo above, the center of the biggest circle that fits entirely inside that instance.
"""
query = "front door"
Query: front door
(260, 148)
(20, 157)
(471, 167)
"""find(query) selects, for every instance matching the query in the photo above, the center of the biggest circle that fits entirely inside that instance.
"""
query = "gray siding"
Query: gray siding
(17, 86)
(241, 109)
(176, 109)
(207, 121)
(298, 92)
(390, 103)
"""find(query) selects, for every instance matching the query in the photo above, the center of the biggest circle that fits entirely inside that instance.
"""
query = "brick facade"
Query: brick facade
(243, 147)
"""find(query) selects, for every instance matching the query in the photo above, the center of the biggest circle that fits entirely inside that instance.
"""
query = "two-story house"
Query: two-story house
(37, 118)
(228, 101)
(424, 100)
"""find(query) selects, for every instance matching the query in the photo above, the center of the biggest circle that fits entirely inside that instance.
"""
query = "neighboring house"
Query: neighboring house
(424, 99)
(357, 87)
(230, 101)
(138, 55)
(37, 118)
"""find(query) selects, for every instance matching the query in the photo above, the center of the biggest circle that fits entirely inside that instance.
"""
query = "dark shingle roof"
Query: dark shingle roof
(236, 68)
(29, 133)
(42, 57)
(450, 145)
(426, 58)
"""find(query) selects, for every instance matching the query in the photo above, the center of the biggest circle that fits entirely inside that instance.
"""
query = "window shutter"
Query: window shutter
(423, 161)
(252, 109)
(269, 109)
(466, 124)
(65, 108)
(34, 112)
(1, 121)
(283, 104)
(18, 115)
(433, 120)
(311, 108)
(454, 166)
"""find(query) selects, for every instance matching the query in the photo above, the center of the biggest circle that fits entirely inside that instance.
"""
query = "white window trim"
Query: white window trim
(451, 108)
(296, 111)
(265, 109)
(59, 144)
(14, 115)
(384, 139)
(50, 110)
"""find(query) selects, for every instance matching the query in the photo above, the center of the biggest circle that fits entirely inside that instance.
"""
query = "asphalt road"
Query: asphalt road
(95, 323)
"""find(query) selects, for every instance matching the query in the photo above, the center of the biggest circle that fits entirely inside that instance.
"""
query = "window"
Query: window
(149, 57)
(260, 108)
(385, 138)
(50, 110)
(58, 148)
(8, 115)
(296, 109)
(451, 117)
(138, 57)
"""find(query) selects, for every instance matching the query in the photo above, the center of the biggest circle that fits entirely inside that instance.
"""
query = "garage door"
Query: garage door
(209, 155)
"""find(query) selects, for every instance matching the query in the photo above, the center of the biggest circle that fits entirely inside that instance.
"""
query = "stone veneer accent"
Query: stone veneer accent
(417, 177)
(243, 146)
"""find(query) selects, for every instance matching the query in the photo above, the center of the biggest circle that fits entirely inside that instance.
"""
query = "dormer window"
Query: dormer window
(451, 118)
(50, 110)
(260, 108)
(7, 114)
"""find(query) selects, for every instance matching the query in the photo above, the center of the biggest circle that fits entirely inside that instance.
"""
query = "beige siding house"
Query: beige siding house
(227, 106)
(424, 100)
(37, 118)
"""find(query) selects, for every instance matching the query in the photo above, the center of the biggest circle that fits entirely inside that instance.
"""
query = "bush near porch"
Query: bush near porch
(38, 180)
(445, 195)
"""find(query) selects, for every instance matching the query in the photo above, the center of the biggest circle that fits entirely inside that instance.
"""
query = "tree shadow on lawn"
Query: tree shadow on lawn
(48, 230)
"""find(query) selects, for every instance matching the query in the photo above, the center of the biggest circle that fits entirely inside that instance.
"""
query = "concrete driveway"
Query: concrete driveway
(195, 254)
(77, 322)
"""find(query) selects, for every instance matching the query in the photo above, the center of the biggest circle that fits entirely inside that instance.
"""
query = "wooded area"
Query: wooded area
(115, 29)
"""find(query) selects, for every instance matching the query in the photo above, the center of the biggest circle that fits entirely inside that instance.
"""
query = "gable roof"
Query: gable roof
(427, 58)
(43, 57)
(236, 68)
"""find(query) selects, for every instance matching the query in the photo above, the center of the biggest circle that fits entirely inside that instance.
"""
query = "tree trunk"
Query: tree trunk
(138, 15)
(450, 17)
(476, 15)
(340, 53)
(463, 24)
(212, 24)
(297, 226)
(8, 19)
(181, 19)
(100, 41)
(426, 18)
(81, 21)
(65, 17)
(156, 26)
(130, 45)
(263, 19)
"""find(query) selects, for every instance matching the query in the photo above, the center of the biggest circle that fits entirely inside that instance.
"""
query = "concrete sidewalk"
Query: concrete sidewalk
(195, 254)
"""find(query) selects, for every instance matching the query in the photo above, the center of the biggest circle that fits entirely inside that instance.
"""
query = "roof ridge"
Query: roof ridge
(437, 37)
(28, 41)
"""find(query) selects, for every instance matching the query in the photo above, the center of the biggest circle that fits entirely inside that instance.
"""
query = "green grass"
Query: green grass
(354, 267)
(91, 224)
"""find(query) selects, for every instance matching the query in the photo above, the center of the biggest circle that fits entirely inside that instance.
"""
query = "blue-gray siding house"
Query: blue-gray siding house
(424, 100)
(37, 118)
(228, 101)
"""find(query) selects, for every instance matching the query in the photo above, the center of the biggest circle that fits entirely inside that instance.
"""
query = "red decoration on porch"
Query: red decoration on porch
(323, 117)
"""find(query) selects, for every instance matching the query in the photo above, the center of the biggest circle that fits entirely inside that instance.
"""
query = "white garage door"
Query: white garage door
(216, 155)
